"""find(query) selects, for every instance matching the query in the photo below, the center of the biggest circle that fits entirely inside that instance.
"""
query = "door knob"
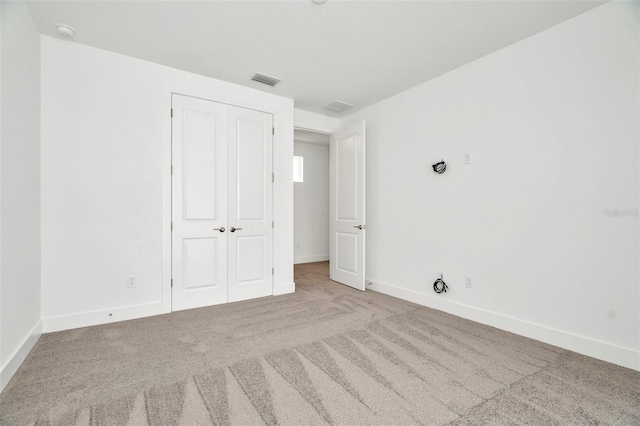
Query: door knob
(235, 229)
(221, 229)
(359, 226)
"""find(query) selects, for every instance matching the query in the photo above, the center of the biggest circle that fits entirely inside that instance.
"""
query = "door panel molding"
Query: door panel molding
(281, 110)
(195, 136)
(347, 206)
(222, 167)
(250, 191)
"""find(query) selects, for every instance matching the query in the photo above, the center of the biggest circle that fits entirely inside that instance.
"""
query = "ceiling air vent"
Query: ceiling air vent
(265, 79)
(337, 106)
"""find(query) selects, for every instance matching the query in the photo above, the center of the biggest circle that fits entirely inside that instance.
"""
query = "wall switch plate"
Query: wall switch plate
(468, 281)
(466, 157)
(131, 281)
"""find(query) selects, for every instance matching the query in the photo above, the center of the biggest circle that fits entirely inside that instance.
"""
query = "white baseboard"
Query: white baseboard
(19, 355)
(285, 288)
(309, 259)
(86, 319)
(614, 354)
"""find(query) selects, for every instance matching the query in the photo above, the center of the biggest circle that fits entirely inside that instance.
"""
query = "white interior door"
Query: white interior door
(347, 202)
(222, 235)
(250, 204)
(199, 202)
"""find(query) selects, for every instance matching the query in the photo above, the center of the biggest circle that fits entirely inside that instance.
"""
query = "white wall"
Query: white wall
(552, 125)
(20, 324)
(311, 204)
(306, 120)
(102, 197)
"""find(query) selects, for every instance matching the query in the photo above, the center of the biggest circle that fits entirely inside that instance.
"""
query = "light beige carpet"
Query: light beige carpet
(326, 354)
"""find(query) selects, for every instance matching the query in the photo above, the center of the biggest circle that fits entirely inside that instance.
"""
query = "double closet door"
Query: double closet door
(221, 204)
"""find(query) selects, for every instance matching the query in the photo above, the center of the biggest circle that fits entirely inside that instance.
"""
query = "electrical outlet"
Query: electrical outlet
(468, 281)
(131, 281)
(466, 157)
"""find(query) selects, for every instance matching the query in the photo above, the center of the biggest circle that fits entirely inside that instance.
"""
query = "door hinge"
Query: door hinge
(273, 224)
(171, 282)
(273, 177)
(172, 169)
(171, 112)
(273, 271)
(171, 226)
(273, 130)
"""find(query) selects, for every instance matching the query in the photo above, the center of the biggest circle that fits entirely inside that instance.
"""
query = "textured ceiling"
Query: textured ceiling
(358, 52)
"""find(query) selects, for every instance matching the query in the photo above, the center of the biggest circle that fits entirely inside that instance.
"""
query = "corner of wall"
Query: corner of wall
(20, 261)
(16, 359)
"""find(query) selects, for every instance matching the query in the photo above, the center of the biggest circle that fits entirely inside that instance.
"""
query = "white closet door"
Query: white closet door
(347, 250)
(199, 202)
(250, 204)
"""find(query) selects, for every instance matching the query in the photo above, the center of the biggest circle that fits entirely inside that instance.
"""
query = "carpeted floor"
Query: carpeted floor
(326, 354)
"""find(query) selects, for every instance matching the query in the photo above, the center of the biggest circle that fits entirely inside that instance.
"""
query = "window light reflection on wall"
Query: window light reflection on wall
(298, 169)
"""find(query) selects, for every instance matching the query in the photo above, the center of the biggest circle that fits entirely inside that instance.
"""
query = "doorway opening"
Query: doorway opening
(311, 197)
(336, 174)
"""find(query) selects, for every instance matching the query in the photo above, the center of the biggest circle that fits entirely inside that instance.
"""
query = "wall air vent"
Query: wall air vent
(265, 79)
(337, 106)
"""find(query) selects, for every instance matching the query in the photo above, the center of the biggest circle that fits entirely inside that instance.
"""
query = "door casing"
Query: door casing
(282, 196)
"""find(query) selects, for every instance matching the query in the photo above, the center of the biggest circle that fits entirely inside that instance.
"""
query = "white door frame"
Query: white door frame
(319, 124)
(282, 111)
(324, 131)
